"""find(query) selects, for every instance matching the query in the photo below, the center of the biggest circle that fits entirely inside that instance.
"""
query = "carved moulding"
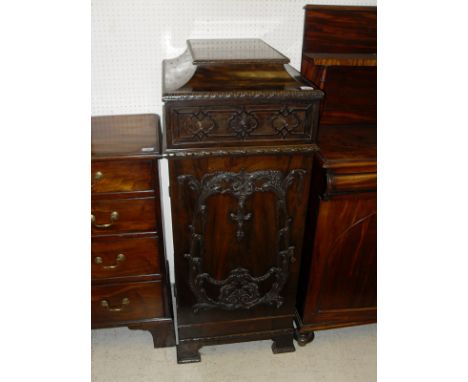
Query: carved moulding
(297, 149)
(215, 123)
(243, 123)
(285, 122)
(240, 290)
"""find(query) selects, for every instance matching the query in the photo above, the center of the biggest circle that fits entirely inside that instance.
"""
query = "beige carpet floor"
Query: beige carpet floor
(335, 355)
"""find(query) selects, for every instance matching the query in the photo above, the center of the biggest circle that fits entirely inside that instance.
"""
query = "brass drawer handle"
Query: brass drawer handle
(118, 260)
(114, 216)
(97, 176)
(105, 304)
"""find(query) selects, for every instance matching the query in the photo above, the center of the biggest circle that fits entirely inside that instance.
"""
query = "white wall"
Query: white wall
(130, 38)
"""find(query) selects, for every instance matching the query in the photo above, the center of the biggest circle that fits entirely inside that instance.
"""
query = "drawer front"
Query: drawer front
(116, 257)
(228, 125)
(123, 175)
(351, 182)
(126, 302)
(123, 215)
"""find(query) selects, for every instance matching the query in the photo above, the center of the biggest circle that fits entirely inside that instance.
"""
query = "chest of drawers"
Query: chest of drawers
(240, 127)
(130, 286)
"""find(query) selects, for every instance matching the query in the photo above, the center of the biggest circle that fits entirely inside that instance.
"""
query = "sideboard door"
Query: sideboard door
(343, 273)
(238, 228)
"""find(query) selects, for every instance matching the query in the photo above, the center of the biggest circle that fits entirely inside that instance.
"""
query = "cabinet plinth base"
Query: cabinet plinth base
(188, 349)
(283, 344)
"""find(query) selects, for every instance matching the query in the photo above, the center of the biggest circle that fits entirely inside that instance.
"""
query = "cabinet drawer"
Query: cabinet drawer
(123, 215)
(117, 257)
(123, 175)
(126, 302)
(340, 183)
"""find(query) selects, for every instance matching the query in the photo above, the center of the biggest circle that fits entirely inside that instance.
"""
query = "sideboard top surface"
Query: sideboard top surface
(125, 135)
(345, 145)
(233, 69)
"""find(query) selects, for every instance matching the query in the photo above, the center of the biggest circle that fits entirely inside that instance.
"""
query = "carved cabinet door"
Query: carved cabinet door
(238, 226)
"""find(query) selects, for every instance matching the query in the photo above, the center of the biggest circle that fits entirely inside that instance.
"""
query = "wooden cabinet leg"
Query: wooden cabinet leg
(303, 338)
(162, 338)
(188, 352)
(283, 344)
(162, 332)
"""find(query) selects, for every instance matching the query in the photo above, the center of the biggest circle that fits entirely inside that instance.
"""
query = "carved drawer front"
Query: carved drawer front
(224, 124)
(126, 302)
(123, 215)
(117, 257)
(123, 175)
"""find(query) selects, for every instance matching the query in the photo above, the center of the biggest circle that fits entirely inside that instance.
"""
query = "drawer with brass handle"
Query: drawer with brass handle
(124, 257)
(123, 215)
(126, 302)
(123, 175)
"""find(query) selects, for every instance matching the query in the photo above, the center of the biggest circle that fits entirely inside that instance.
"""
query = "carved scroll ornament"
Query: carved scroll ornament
(240, 290)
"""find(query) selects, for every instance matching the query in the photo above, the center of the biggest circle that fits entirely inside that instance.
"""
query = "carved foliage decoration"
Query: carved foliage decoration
(240, 290)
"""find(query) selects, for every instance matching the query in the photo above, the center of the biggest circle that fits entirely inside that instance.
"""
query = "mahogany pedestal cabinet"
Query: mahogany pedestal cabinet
(128, 268)
(240, 132)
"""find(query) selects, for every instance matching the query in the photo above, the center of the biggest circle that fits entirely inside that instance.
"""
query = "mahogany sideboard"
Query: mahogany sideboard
(128, 268)
(239, 133)
(338, 281)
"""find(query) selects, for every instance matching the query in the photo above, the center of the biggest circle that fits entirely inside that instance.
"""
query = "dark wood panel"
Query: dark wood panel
(339, 29)
(350, 96)
(348, 149)
(132, 215)
(113, 257)
(121, 303)
(343, 274)
(123, 175)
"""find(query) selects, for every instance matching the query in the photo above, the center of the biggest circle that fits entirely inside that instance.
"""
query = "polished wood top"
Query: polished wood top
(125, 135)
(228, 69)
(349, 146)
(240, 51)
